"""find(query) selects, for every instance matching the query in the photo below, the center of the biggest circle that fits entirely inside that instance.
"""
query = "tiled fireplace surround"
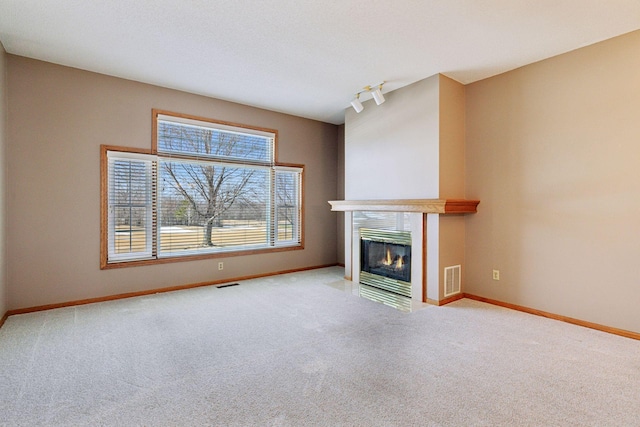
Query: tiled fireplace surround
(418, 216)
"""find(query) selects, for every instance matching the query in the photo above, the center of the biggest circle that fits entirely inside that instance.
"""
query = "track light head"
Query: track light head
(377, 95)
(356, 104)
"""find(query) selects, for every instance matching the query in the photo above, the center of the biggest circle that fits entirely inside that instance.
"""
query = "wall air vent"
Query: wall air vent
(452, 280)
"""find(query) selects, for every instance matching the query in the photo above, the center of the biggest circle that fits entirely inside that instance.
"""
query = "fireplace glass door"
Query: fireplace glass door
(386, 259)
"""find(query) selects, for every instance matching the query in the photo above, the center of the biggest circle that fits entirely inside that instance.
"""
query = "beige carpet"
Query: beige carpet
(294, 350)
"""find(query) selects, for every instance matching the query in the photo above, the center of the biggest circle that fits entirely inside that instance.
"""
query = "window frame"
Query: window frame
(156, 258)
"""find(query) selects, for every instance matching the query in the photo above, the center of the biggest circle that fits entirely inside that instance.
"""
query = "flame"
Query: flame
(387, 260)
(396, 263)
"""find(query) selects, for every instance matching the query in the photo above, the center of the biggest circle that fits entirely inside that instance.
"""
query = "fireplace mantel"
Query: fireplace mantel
(438, 206)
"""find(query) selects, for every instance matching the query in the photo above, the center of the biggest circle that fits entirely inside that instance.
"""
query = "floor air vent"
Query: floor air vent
(451, 280)
(227, 285)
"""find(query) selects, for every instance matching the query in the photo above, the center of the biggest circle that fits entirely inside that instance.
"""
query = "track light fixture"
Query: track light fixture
(376, 93)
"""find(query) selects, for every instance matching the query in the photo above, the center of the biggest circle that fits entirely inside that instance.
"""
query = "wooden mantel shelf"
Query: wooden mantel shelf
(439, 206)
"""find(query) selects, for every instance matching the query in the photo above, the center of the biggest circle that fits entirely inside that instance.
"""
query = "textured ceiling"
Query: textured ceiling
(304, 57)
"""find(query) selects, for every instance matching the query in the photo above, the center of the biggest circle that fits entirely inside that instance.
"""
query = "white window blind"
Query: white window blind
(131, 206)
(288, 185)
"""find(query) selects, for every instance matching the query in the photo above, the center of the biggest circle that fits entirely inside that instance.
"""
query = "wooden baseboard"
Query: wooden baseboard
(603, 328)
(153, 291)
(4, 319)
(447, 300)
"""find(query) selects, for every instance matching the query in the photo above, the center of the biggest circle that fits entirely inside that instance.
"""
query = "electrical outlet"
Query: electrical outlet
(496, 274)
(220, 265)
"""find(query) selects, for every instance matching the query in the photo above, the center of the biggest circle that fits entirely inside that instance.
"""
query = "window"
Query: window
(130, 206)
(205, 189)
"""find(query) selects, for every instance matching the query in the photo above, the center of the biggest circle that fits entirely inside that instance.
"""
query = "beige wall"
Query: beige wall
(59, 116)
(340, 194)
(451, 235)
(452, 139)
(451, 245)
(553, 153)
(3, 206)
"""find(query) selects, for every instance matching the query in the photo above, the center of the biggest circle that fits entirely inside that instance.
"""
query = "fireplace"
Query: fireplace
(429, 222)
(385, 260)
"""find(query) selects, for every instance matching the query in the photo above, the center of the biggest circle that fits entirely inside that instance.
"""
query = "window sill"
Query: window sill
(197, 257)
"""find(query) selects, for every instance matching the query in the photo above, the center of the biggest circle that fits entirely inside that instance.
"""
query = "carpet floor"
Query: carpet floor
(295, 350)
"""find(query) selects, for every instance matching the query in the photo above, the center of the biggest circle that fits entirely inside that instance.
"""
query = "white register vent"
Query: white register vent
(452, 280)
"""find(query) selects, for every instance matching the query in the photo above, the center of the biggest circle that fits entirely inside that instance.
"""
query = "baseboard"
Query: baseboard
(4, 319)
(447, 300)
(153, 291)
(603, 328)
